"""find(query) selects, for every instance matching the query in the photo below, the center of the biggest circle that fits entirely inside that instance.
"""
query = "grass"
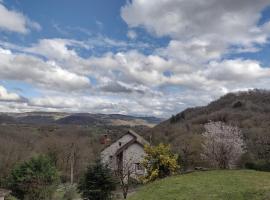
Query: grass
(209, 185)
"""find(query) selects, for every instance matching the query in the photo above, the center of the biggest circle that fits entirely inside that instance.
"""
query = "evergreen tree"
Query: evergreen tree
(34, 179)
(97, 183)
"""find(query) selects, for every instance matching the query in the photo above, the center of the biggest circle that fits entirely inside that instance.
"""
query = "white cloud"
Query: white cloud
(221, 22)
(129, 67)
(132, 34)
(14, 21)
(36, 71)
(8, 96)
(194, 51)
(237, 70)
(56, 48)
(202, 32)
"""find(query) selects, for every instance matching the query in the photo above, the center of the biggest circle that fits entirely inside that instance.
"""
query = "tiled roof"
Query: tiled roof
(137, 138)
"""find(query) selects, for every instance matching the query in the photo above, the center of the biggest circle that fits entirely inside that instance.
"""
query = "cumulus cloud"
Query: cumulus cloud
(8, 96)
(56, 48)
(202, 33)
(14, 21)
(33, 70)
(223, 22)
(194, 51)
(237, 70)
(130, 67)
(204, 17)
(117, 71)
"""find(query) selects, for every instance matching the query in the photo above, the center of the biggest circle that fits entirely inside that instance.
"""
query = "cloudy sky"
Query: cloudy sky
(139, 57)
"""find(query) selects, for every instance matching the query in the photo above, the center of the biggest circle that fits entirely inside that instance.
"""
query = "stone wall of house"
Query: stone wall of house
(3, 193)
(108, 154)
(132, 156)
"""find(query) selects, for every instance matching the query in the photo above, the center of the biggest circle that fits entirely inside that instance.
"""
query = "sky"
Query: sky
(135, 57)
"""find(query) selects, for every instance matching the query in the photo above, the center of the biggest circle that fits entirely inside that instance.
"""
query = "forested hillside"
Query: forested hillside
(250, 111)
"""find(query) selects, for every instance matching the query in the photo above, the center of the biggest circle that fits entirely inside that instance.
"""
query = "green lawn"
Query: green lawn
(209, 185)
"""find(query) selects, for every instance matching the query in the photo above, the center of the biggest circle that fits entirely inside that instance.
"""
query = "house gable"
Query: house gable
(113, 147)
(124, 140)
(130, 147)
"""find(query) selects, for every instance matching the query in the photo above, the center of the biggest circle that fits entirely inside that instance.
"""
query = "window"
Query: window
(111, 157)
(138, 167)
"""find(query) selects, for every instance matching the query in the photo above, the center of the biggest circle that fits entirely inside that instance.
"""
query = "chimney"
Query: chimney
(105, 140)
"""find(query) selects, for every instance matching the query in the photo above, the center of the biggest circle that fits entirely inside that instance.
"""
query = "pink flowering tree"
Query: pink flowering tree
(223, 145)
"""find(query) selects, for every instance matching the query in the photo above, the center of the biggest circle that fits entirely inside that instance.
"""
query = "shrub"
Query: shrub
(34, 179)
(159, 162)
(10, 197)
(260, 165)
(97, 183)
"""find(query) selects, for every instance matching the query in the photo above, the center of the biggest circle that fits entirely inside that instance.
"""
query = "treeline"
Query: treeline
(70, 147)
(66, 146)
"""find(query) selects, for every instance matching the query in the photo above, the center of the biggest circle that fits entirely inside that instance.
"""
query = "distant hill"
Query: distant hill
(51, 118)
(250, 111)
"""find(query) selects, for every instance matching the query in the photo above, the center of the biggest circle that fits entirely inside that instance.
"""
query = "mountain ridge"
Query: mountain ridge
(63, 118)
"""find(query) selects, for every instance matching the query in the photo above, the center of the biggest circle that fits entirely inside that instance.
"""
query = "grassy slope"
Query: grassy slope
(211, 185)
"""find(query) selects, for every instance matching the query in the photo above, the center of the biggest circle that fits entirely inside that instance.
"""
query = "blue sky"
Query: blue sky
(133, 57)
(75, 20)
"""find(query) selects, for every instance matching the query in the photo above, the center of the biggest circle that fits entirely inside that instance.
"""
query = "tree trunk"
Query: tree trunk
(72, 165)
(125, 191)
(125, 194)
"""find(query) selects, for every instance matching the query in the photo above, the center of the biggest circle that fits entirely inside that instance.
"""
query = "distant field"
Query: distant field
(210, 185)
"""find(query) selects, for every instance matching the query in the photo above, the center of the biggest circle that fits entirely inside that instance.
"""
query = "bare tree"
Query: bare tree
(189, 148)
(125, 171)
(72, 158)
(70, 154)
(262, 145)
(223, 144)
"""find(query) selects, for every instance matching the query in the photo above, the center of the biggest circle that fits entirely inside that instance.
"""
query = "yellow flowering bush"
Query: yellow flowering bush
(159, 162)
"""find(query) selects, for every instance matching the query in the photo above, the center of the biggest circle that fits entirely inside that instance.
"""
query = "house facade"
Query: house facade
(126, 153)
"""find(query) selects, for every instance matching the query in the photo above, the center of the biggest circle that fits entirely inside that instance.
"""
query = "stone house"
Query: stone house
(126, 153)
